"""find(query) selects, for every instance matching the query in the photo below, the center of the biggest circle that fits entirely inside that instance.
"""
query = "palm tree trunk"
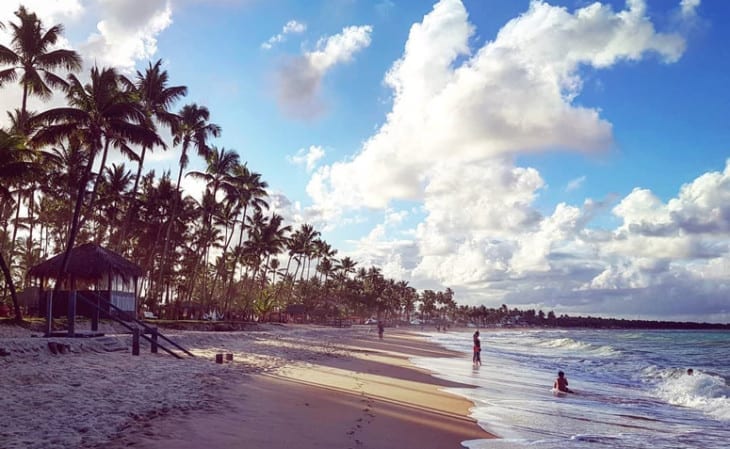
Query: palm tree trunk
(16, 225)
(132, 200)
(13, 294)
(99, 177)
(73, 231)
(31, 224)
(173, 213)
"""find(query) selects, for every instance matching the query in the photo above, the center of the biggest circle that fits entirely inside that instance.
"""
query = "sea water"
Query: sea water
(632, 389)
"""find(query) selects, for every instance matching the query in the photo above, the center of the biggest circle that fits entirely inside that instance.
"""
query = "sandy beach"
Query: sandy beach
(303, 386)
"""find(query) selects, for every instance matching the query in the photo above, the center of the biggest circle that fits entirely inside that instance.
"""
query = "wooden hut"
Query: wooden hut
(105, 280)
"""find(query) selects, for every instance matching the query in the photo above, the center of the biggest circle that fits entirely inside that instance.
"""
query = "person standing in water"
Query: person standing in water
(477, 357)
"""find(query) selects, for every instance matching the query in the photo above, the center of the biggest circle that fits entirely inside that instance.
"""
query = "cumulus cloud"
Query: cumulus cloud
(50, 13)
(291, 27)
(514, 94)
(459, 118)
(127, 32)
(299, 78)
(308, 157)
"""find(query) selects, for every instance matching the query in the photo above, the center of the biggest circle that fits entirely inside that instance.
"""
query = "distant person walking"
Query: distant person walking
(477, 357)
(381, 329)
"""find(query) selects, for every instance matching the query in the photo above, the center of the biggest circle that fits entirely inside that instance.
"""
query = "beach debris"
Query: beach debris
(58, 348)
(219, 358)
(111, 344)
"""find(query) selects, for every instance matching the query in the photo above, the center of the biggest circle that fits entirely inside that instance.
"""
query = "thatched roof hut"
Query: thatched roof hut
(91, 266)
(89, 262)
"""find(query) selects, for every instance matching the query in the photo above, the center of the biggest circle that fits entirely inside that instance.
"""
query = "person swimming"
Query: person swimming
(561, 383)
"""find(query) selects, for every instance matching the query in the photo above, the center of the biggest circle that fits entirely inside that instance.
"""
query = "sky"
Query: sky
(562, 155)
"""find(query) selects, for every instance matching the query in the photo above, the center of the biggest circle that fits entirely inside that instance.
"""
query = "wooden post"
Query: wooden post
(219, 358)
(71, 312)
(135, 341)
(49, 312)
(153, 345)
(95, 314)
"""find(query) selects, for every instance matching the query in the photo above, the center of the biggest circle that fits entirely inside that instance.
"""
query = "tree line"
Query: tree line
(504, 316)
(226, 252)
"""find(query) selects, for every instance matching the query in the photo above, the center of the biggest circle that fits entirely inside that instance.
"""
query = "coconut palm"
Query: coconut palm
(32, 60)
(191, 129)
(15, 162)
(218, 172)
(156, 98)
(114, 187)
(246, 190)
(99, 114)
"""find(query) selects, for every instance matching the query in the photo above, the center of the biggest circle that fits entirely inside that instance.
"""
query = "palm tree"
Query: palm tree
(31, 60)
(114, 187)
(192, 128)
(246, 189)
(156, 98)
(30, 53)
(64, 165)
(15, 162)
(99, 114)
(218, 173)
(273, 239)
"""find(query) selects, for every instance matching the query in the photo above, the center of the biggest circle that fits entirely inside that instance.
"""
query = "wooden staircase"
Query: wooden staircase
(137, 327)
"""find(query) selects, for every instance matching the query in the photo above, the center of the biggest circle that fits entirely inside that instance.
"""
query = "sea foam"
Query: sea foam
(706, 392)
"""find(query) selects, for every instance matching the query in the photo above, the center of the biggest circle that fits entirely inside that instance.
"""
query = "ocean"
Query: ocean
(632, 388)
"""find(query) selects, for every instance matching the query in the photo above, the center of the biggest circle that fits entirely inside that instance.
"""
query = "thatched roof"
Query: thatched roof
(89, 262)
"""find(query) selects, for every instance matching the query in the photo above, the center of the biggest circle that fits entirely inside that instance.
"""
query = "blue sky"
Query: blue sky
(564, 155)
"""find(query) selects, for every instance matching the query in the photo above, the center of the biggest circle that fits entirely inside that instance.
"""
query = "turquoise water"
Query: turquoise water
(632, 390)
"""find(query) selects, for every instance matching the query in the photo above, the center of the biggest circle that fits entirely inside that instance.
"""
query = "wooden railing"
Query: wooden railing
(98, 301)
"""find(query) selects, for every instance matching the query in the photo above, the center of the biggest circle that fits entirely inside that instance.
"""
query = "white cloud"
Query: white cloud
(459, 118)
(575, 184)
(127, 32)
(309, 157)
(514, 94)
(50, 13)
(299, 78)
(689, 7)
(291, 27)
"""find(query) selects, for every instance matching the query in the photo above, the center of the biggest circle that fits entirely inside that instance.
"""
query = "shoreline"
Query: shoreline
(297, 385)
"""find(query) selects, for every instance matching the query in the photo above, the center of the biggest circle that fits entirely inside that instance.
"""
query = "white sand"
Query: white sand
(90, 395)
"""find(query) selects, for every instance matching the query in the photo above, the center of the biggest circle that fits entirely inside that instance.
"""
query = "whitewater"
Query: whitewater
(632, 387)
